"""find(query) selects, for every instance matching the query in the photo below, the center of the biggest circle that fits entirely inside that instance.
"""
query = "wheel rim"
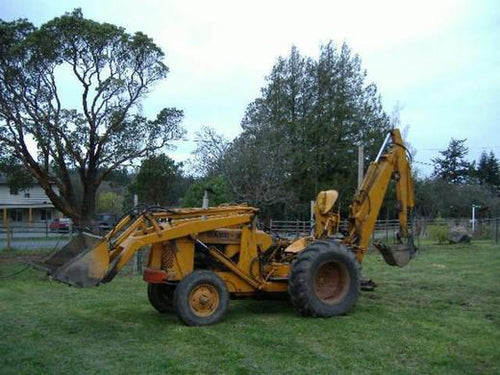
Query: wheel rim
(204, 300)
(331, 282)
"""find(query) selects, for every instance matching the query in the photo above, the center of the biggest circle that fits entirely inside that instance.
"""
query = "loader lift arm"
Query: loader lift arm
(364, 210)
(89, 260)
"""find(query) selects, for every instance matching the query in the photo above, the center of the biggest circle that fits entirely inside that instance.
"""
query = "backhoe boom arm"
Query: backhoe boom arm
(392, 165)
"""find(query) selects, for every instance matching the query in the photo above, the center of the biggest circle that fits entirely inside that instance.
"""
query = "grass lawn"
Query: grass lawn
(440, 314)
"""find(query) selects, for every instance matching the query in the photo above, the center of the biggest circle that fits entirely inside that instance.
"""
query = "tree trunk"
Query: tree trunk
(87, 220)
(88, 209)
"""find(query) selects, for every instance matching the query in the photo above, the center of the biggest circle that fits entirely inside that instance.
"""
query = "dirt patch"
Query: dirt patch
(435, 265)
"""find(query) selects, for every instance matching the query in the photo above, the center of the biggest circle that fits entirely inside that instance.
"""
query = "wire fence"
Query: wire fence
(35, 228)
(35, 235)
(423, 228)
(41, 235)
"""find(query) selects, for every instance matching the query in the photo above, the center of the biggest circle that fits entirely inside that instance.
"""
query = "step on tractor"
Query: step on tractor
(200, 258)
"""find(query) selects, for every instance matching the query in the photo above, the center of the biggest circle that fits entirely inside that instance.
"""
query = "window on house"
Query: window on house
(45, 215)
(26, 194)
(16, 214)
(14, 190)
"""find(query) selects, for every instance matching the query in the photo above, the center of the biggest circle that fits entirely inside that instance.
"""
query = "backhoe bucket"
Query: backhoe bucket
(82, 262)
(397, 254)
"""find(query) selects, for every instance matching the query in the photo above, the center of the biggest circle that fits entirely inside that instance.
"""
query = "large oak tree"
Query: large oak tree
(52, 137)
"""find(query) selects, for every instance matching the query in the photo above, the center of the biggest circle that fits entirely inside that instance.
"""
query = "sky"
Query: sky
(437, 61)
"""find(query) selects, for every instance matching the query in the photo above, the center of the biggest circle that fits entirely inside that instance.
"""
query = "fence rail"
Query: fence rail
(38, 235)
(33, 235)
(32, 229)
(483, 228)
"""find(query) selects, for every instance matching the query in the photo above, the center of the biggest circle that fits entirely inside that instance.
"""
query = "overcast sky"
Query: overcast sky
(437, 60)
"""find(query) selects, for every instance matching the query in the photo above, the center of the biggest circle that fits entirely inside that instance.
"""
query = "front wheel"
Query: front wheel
(324, 280)
(201, 298)
(161, 297)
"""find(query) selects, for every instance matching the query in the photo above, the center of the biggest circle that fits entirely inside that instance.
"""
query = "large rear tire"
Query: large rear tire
(324, 280)
(201, 298)
(161, 297)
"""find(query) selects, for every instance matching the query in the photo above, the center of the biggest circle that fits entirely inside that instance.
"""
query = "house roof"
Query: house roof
(27, 205)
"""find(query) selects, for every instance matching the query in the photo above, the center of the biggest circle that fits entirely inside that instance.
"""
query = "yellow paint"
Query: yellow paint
(326, 221)
(236, 284)
(367, 202)
(184, 262)
(231, 250)
(326, 200)
(154, 260)
(264, 240)
(228, 234)
(299, 245)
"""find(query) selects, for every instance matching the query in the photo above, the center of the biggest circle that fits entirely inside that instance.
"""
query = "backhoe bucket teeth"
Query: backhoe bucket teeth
(397, 254)
(82, 262)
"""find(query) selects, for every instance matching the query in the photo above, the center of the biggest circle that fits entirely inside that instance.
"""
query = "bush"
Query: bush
(438, 231)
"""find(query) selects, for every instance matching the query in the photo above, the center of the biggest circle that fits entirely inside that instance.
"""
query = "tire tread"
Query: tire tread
(299, 290)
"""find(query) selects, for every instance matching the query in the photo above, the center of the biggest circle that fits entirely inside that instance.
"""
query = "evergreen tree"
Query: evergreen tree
(156, 180)
(452, 166)
(488, 169)
(301, 135)
(220, 192)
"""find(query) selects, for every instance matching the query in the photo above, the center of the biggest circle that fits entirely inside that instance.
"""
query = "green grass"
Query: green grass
(440, 314)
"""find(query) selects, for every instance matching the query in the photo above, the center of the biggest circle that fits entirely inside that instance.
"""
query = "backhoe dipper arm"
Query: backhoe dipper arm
(367, 202)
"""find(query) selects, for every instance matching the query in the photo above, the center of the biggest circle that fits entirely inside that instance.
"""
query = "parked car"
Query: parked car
(106, 222)
(61, 225)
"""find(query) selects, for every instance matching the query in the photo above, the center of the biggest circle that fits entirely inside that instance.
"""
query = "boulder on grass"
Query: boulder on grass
(459, 234)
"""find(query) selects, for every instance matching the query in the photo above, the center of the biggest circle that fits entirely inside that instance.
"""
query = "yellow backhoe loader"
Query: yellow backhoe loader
(199, 258)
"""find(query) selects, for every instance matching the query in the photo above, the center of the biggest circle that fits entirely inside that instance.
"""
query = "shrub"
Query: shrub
(438, 231)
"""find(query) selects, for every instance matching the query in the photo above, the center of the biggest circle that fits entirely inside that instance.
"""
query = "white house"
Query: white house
(25, 206)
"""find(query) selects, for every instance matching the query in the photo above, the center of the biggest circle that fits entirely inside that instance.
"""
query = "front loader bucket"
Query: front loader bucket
(397, 254)
(82, 262)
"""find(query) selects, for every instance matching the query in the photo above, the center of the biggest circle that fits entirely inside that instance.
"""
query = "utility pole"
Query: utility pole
(205, 202)
(206, 195)
(474, 206)
(361, 165)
